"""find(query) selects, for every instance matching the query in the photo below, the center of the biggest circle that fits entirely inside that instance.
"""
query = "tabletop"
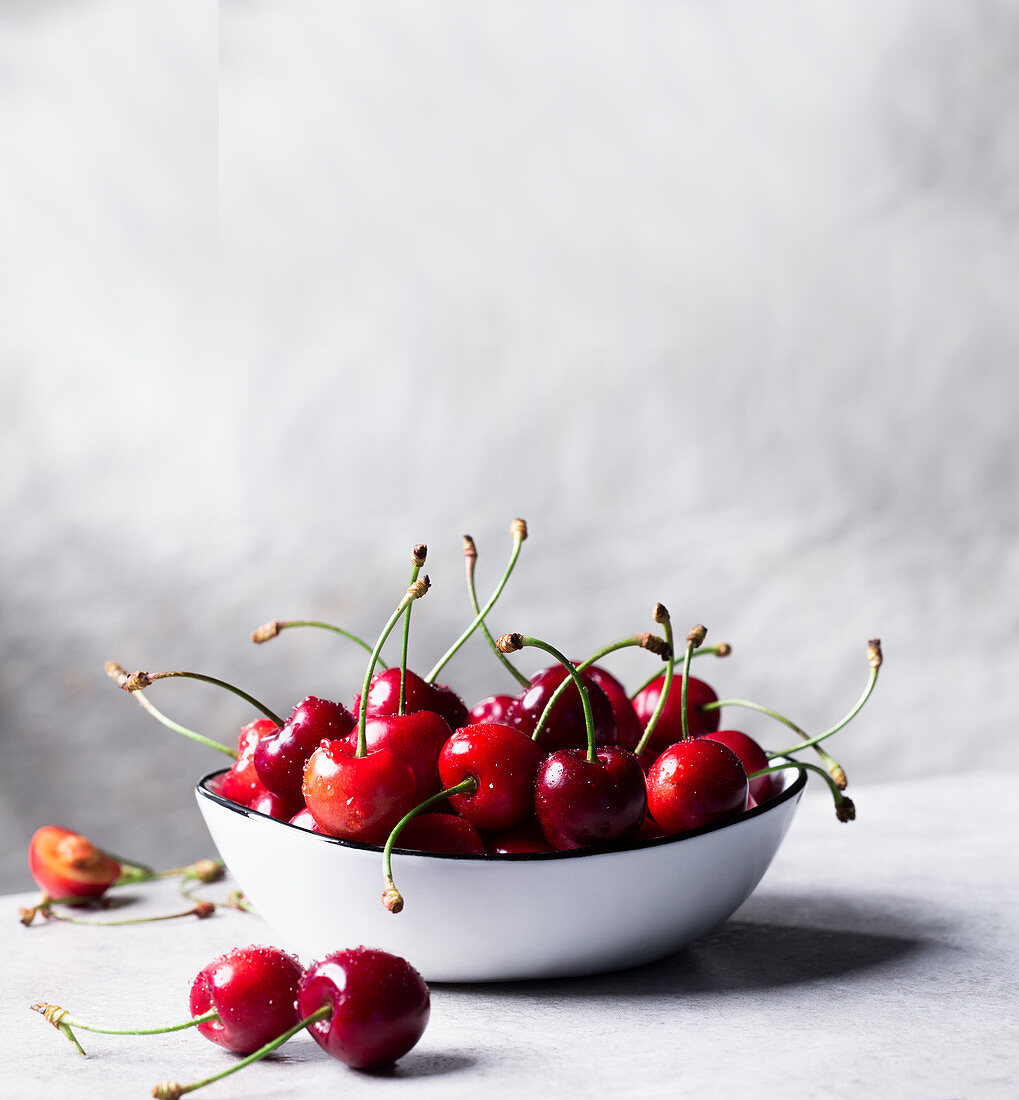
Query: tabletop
(877, 958)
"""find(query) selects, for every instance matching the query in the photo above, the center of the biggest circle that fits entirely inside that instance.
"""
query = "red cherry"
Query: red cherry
(357, 797)
(384, 698)
(66, 864)
(565, 727)
(628, 725)
(380, 1006)
(417, 738)
(521, 839)
(491, 709)
(753, 758)
(272, 806)
(670, 724)
(303, 820)
(446, 833)
(280, 760)
(254, 992)
(241, 783)
(696, 782)
(581, 803)
(503, 762)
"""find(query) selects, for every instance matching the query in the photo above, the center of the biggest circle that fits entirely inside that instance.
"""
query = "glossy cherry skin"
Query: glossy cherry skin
(581, 804)
(416, 737)
(384, 698)
(380, 1006)
(445, 833)
(272, 806)
(753, 758)
(670, 725)
(491, 709)
(66, 864)
(503, 762)
(628, 726)
(357, 798)
(520, 840)
(303, 820)
(696, 782)
(241, 783)
(565, 728)
(254, 991)
(280, 760)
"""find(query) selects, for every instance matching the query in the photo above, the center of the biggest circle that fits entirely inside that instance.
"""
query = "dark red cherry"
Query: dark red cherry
(380, 1006)
(629, 727)
(521, 839)
(753, 758)
(416, 737)
(491, 709)
(384, 698)
(254, 991)
(565, 728)
(303, 820)
(241, 783)
(670, 724)
(280, 760)
(503, 762)
(582, 803)
(357, 797)
(446, 833)
(696, 782)
(272, 806)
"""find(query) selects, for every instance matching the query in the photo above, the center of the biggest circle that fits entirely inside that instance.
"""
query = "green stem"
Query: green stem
(417, 560)
(663, 696)
(519, 529)
(723, 649)
(392, 898)
(150, 677)
(170, 1090)
(845, 810)
(201, 910)
(271, 629)
(470, 561)
(61, 1020)
(694, 638)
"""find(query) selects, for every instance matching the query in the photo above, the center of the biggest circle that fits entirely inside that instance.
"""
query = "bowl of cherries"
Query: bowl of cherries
(571, 828)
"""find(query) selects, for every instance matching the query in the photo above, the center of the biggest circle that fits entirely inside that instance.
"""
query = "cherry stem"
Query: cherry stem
(170, 1090)
(391, 897)
(138, 680)
(644, 641)
(269, 630)
(470, 561)
(723, 649)
(418, 556)
(845, 809)
(518, 528)
(415, 592)
(120, 675)
(202, 870)
(693, 639)
(875, 659)
(201, 910)
(834, 767)
(63, 1021)
(661, 615)
(512, 642)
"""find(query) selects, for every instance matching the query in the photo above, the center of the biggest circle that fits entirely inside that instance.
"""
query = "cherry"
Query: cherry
(670, 724)
(445, 833)
(384, 698)
(270, 804)
(491, 709)
(417, 738)
(564, 727)
(753, 758)
(503, 763)
(696, 782)
(280, 759)
(303, 820)
(242, 783)
(378, 1006)
(628, 725)
(525, 838)
(253, 991)
(67, 864)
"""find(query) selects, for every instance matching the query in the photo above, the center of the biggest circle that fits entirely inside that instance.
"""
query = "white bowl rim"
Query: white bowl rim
(790, 791)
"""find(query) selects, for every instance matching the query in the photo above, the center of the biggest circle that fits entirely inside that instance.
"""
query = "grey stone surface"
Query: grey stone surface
(721, 301)
(875, 959)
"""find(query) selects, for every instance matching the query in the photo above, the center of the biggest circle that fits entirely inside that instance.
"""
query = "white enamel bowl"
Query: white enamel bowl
(479, 919)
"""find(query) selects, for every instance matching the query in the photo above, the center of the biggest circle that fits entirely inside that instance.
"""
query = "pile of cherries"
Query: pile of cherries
(570, 762)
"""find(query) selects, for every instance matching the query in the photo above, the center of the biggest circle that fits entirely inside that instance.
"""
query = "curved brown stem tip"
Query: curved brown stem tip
(697, 635)
(656, 645)
(168, 1090)
(510, 643)
(519, 528)
(136, 681)
(723, 649)
(470, 550)
(845, 810)
(53, 1013)
(266, 631)
(838, 777)
(392, 899)
(116, 672)
(418, 555)
(204, 909)
(874, 652)
(660, 613)
(419, 588)
(208, 870)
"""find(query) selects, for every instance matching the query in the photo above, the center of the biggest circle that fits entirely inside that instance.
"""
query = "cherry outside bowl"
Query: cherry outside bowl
(478, 918)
